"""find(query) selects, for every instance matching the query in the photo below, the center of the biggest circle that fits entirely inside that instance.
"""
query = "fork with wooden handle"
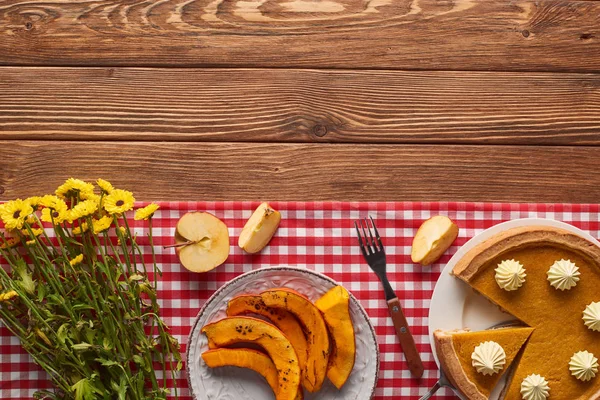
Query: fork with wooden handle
(374, 253)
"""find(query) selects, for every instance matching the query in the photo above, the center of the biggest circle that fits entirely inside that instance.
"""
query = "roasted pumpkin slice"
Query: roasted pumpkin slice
(244, 358)
(335, 306)
(317, 337)
(281, 318)
(234, 330)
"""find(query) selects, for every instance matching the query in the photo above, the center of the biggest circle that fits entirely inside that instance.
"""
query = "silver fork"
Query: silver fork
(374, 253)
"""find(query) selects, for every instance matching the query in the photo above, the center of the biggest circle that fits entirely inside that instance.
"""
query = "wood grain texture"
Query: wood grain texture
(268, 105)
(247, 171)
(393, 34)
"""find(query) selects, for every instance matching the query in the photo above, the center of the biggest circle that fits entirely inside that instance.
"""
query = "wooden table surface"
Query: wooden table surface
(483, 100)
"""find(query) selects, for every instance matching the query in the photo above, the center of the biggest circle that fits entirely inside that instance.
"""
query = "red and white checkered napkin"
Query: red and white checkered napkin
(317, 236)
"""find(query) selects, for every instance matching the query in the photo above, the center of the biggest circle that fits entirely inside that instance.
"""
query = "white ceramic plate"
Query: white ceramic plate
(231, 383)
(454, 305)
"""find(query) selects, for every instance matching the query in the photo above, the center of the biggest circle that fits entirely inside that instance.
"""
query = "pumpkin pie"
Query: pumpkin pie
(455, 351)
(556, 315)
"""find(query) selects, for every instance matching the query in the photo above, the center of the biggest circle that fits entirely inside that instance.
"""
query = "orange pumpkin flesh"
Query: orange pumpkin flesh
(317, 337)
(234, 330)
(244, 358)
(335, 308)
(282, 319)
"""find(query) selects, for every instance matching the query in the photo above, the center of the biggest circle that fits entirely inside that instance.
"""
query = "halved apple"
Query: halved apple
(432, 239)
(259, 229)
(335, 306)
(232, 330)
(282, 319)
(202, 241)
(317, 337)
(244, 358)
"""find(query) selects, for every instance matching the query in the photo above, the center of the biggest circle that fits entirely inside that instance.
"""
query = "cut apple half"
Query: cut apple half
(335, 306)
(259, 229)
(233, 330)
(282, 319)
(317, 337)
(202, 241)
(432, 239)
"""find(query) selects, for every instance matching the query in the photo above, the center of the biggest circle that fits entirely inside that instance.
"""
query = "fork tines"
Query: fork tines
(368, 243)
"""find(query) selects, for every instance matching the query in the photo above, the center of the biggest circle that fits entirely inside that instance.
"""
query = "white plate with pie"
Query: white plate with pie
(231, 383)
(455, 305)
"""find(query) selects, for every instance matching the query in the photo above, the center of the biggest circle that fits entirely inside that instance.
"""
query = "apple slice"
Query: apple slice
(259, 229)
(202, 240)
(432, 239)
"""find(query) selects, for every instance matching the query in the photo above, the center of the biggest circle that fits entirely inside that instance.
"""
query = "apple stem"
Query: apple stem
(169, 246)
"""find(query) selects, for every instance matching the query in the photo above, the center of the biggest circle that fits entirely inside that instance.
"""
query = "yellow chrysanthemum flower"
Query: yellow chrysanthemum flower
(123, 230)
(72, 188)
(119, 201)
(37, 231)
(55, 209)
(34, 201)
(105, 186)
(14, 212)
(146, 212)
(9, 243)
(81, 228)
(89, 196)
(77, 260)
(8, 295)
(102, 224)
(30, 242)
(82, 209)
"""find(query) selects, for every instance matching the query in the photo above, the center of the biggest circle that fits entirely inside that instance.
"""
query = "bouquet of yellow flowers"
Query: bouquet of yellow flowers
(77, 293)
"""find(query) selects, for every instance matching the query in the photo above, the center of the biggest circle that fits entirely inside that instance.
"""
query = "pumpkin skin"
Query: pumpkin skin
(317, 336)
(244, 358)
(282, 319)
(335, 306)
(232, 330)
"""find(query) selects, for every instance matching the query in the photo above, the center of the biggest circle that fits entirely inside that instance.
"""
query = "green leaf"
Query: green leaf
(107, 343)
(120, 388)
(85, 390)
(81, 346)
(62, 333)
(139, 361)
(107, 363)
(41, 292)
(27, 283)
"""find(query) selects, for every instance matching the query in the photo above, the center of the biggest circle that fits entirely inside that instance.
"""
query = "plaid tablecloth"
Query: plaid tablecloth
(317, 236)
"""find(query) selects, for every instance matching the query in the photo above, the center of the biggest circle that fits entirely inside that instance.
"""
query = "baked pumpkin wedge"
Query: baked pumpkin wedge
(232, 330)
(317, 337)
(284, 320)
(335, 306)
(244, 358)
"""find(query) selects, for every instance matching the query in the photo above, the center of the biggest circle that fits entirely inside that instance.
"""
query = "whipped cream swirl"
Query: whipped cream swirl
(591, 316)
(535, 387)
(488, 358)
(583, 366)
(563, 275)
(510, 275)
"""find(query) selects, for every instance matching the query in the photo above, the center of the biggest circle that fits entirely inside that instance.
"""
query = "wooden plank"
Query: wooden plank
(299, 106)
(397, 34)
(247, 171)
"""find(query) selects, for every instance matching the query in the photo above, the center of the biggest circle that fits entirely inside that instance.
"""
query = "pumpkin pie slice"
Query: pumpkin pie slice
(556, 315)
(455, 350)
